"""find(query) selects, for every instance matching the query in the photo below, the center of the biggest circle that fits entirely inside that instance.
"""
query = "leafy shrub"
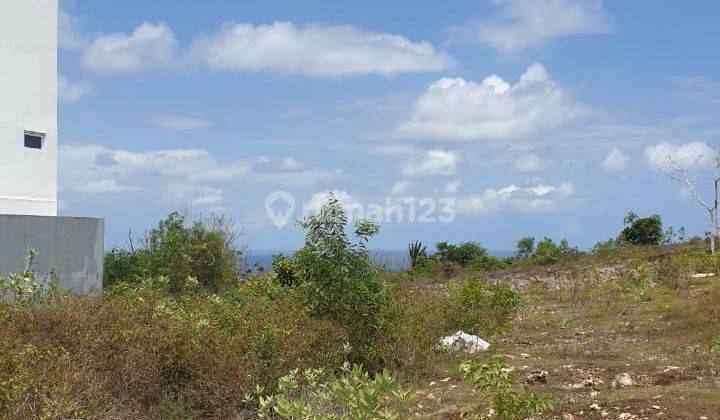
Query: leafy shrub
(503, 399)
(482, 310)
(462, 254)
(338, 279)
(142, 350)
(674, 272)
(548, 252)
(285, 269)
(26, 287)
(354, 394)
(642, 231)
(450, 259)
(608, 246)
(525, 247)
(178, 250)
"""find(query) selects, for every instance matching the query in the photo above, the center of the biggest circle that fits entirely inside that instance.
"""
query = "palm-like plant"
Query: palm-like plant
(416, 250)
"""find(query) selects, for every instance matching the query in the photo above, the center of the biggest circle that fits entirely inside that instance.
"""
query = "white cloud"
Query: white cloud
(433, 163)
(150, 46)
(401, 187)
(71, 91)
(68, 36)
(178, 176)
(284, 47)
(395, 150)
(284, 165)
(697, 153)
(453, 187)
(290, 164)
(534, 199)
(616, 160)
(529, 163)
(460, 110)
(348, 202)
(530, 23)
(178, 123)
(105, 186)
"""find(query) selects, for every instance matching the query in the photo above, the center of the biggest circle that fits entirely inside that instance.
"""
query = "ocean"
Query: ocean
(392, 259)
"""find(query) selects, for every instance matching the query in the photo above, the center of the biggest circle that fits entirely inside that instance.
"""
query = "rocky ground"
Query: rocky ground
(603, 351)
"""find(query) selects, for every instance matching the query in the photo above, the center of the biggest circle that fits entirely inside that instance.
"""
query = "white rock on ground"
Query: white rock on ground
(702, 275)
(624, 380)
(464, 341)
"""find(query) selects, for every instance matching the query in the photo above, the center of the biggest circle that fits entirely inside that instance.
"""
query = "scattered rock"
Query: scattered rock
(625, 416)
(568, 417)
(623, 380)
(594, 408)
(464, 341)
(537, 376)
(702, 275)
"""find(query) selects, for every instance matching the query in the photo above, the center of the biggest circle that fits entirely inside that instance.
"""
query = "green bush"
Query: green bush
(338, 279)
(285, 269)
(354, 394)
(525, 247)
(642, 231)
(608, 246)
(462, 254)
(484, 310)
(548, 252)
(504, 399)
(674, 271)
(142, 351)
(178, 250)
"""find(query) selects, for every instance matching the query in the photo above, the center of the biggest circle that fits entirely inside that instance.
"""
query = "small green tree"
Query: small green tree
(525, 247)
(462, 254)
(548, 252)
(642, 231)
(338, 279)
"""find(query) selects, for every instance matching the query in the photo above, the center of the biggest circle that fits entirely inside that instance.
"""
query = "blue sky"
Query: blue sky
(541, 117)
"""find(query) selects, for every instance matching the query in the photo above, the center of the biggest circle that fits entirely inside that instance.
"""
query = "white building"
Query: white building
(28, 107)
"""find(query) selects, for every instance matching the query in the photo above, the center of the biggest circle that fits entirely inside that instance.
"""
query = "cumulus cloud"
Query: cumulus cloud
(453, 186)
(524, 24)
(697, 153)
(150, 46)
(178, 176)
(179, 123)
(460, 110)
(71, 91)
(401, 187)
(532, 199)
(349, 203)
(616, 160)
(529, 163)
(69, 38)
(284, 47)
(433, 163)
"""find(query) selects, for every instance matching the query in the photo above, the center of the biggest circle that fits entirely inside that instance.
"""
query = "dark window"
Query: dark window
(33, 141)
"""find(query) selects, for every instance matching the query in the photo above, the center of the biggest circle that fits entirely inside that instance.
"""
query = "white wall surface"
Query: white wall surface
(28, 102)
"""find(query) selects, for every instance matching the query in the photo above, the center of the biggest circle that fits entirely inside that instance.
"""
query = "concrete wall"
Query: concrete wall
(28, 102)
(72, 246)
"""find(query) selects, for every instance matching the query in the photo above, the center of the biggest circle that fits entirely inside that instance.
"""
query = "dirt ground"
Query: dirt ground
(590, 341)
